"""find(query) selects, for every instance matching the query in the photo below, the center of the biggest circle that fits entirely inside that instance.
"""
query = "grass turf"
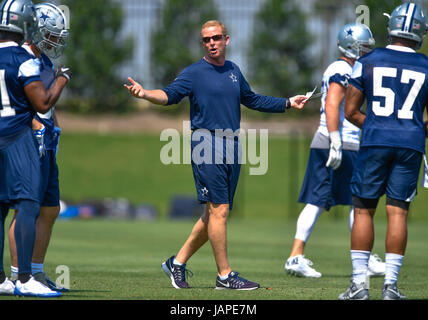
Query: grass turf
(120, 260)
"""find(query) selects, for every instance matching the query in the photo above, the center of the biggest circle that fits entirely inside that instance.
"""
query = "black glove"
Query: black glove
(63, 72)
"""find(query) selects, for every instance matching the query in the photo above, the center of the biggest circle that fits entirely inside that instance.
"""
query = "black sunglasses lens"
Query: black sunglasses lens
(217, 37)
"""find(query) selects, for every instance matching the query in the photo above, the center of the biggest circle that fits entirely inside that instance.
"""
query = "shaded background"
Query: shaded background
(109, 155)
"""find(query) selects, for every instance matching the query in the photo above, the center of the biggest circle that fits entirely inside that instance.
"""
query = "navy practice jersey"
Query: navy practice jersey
(47, 75)
(216, 94)
(17, 69)
(395, 82)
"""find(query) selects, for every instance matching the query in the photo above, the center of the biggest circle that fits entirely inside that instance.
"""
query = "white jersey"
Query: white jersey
(339, 72)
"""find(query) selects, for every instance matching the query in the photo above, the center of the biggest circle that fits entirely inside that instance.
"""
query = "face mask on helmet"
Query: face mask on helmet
(51, 35)
(354, 40)
(408, 21)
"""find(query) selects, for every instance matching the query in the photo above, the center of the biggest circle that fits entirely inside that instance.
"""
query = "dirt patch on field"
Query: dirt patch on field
(152, 122)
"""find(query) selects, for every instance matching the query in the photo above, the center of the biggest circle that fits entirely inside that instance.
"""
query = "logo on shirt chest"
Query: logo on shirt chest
(233, 77)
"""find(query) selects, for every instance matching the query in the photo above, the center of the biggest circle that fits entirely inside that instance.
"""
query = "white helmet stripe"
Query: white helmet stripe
(6, 8)
(409, 17)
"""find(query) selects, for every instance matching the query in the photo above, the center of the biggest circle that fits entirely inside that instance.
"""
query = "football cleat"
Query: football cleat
(44, 279)
(176, 273)
(7, 287)
(33, 288)
(356, 292)
(376, 266)
(301, 267)
(234, 282)
(390, 292)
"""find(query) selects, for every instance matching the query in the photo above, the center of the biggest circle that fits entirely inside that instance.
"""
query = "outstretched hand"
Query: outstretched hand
(298, 102)
(135, 88)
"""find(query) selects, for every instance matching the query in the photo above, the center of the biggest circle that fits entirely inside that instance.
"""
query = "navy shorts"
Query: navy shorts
(49, 183)
(216, 172)
(20, 170)
(323, 186)
(386, 170)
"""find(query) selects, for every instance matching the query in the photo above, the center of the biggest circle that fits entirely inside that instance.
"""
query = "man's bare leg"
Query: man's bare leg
(396, 235)
(212, 227)
(198, 237)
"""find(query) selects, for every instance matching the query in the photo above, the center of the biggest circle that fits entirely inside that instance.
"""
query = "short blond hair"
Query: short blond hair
(214, 23)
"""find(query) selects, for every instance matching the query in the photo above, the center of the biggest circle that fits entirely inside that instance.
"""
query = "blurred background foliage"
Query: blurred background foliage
(279, 58)
(95, 52)
(280, 54)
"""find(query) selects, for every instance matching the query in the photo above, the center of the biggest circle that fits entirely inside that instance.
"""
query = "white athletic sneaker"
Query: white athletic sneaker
(33, 288)
(7, 287)
(376, 266)
(300, 266)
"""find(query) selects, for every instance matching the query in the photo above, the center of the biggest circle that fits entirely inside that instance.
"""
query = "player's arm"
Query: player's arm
(55, 118)
(154, 96)
(354, 101)
(335, 96)
(42, 99)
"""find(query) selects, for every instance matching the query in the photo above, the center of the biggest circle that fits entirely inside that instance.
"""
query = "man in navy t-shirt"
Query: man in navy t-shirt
(216, 89)
(394, 80)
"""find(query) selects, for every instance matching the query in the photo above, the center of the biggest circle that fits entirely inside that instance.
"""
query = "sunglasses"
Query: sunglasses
(216, 37)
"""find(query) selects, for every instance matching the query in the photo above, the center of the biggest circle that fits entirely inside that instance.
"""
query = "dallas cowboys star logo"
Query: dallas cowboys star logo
(204, 191)
(349, 33)
(44, 16)
(233, 77)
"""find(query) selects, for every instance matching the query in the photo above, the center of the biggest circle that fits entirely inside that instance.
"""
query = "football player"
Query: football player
(22, 95)
(394, 82)
(48, 42)
(332, 153)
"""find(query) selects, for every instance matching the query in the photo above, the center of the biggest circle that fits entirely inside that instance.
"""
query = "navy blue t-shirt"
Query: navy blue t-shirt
(395, 83)
(216, 94)
(17, 69)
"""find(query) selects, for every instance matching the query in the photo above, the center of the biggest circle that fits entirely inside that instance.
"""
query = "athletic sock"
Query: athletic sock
(36, 267)
(360, 263)
(306, 221)
(24, 277)
(393, 264)
(25, 233)
(223, 277)
(14, 271)
(4, 209)
(178, 263)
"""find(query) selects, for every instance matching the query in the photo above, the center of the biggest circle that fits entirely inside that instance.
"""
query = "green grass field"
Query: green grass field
(121, 260)
(98, 166)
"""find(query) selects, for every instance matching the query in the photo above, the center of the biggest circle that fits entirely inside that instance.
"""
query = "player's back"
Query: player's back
(17, 69)
(395, 82)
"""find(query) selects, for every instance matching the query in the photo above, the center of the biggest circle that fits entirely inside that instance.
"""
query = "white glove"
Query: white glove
(425, 177)
(335, 156)
(40, 137)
